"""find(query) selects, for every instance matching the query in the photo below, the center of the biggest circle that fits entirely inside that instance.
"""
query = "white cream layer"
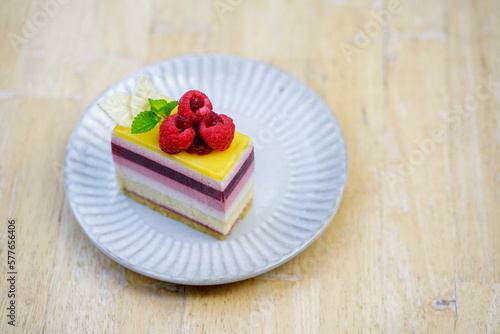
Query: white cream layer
(190, 201)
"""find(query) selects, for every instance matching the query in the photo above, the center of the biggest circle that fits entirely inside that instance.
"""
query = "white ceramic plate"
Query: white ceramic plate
(300, 175)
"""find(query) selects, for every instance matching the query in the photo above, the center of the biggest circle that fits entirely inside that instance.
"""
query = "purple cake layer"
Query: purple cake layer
(173, 188)
(187, 181)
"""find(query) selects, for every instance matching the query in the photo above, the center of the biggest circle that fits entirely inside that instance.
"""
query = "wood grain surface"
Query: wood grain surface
(415, 85)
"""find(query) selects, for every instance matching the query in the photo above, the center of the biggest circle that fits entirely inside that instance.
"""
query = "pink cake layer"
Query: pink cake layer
(172, 185)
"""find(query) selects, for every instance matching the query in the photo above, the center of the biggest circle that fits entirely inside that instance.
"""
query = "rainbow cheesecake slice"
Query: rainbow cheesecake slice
(209, 193)
(181, 158)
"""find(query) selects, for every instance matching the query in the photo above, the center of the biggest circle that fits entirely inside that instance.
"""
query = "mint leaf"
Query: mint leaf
(148, 119)
(157, 105)
(144, 122)
(162, 108)
(170, 106)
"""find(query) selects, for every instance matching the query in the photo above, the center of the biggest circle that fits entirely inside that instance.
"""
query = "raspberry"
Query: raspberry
(212, 119)
(199, 146)
(217, 131)
(194, 104)
(175, 134)
(183, 123)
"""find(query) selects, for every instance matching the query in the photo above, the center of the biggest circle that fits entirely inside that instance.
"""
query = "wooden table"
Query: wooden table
(415, 246)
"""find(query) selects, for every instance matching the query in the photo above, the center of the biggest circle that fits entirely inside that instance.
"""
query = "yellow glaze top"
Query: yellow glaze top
(215, 165)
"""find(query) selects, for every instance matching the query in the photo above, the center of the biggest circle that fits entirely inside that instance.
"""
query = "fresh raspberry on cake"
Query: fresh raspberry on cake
(194, 105)
(176, 134)
(217, 131)
(199, 146)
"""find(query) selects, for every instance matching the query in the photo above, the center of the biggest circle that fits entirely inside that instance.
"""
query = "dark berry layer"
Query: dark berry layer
(181, 178)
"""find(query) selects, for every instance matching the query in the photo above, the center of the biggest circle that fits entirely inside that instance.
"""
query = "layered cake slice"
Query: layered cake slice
(209, 193)
(186, 162)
